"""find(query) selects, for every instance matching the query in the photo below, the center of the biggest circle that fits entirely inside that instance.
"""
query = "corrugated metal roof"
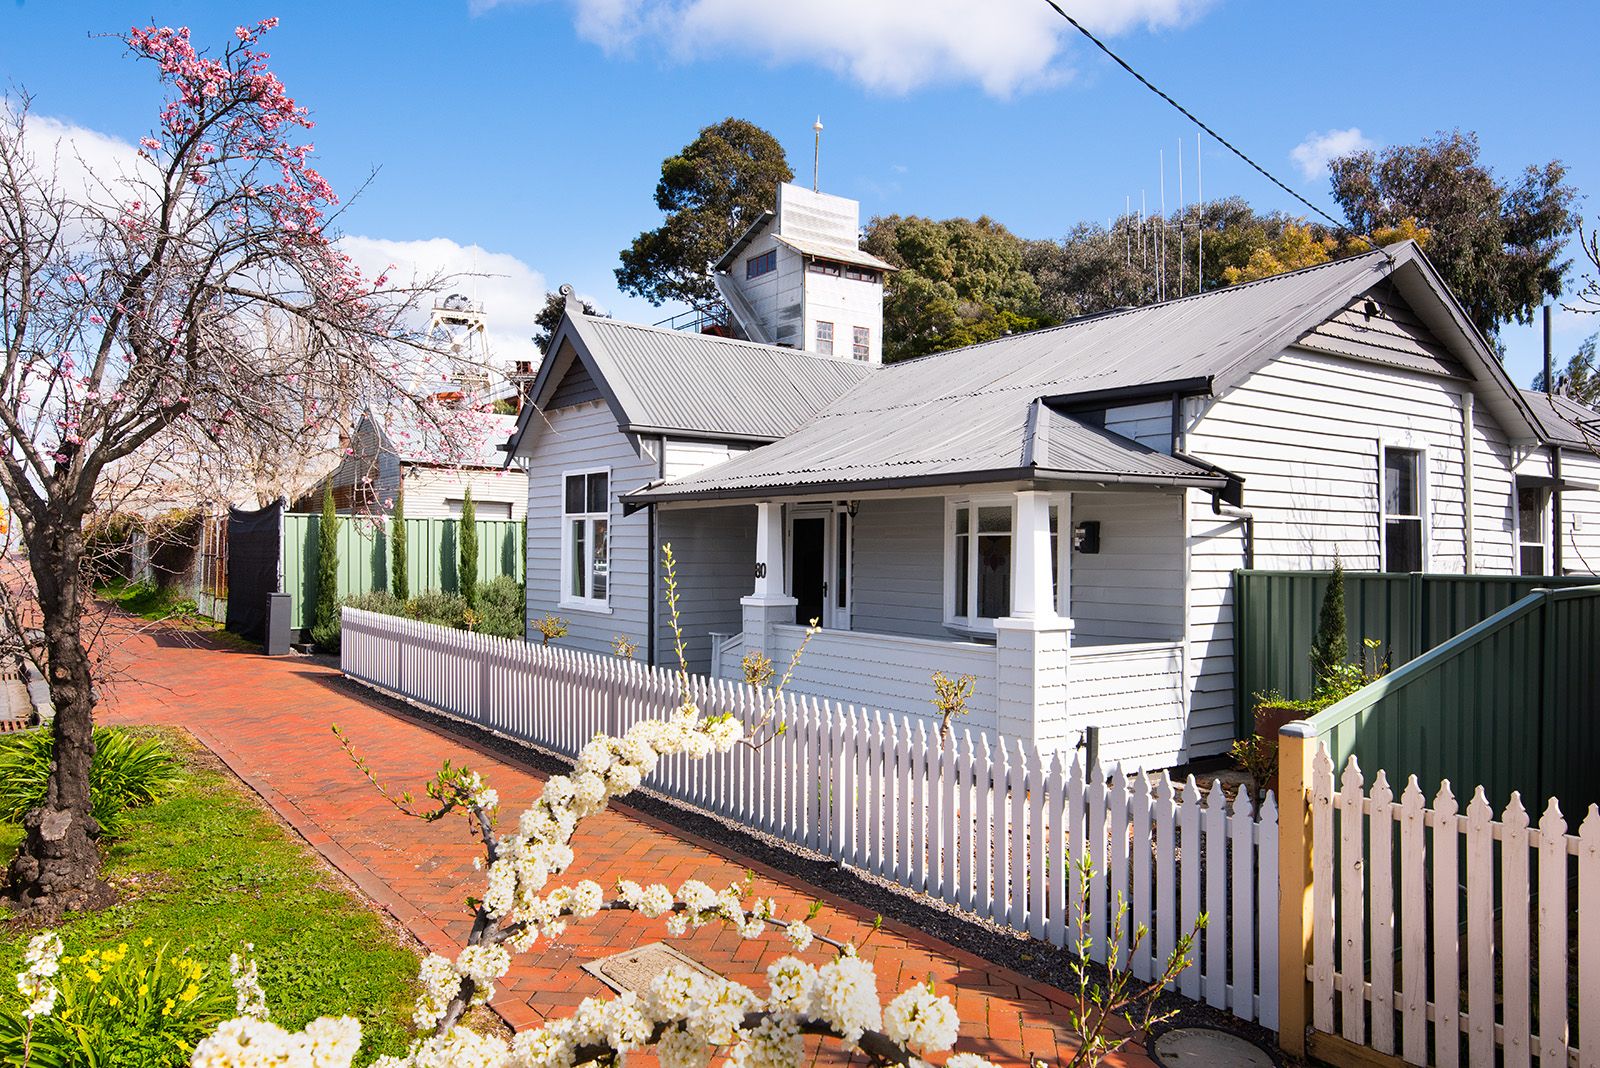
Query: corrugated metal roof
(1566, 422)
(702, 384)
(993, 441)
(827, 250)
(451, 437)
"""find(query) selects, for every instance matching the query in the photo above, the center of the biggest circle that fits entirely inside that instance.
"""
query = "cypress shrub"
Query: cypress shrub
(468, 545)
(1331, 647)
(399, 576)
(325, 624)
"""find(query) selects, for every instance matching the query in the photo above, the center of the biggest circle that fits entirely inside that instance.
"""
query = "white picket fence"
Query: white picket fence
(1523, 887)
(982, 825)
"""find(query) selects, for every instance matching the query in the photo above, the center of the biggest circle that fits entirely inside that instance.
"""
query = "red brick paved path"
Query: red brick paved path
(269, 720)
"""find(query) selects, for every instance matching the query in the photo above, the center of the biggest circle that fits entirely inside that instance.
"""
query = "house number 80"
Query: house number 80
(761, 569)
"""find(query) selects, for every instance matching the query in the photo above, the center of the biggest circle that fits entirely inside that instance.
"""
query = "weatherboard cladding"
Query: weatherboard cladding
(698, 383)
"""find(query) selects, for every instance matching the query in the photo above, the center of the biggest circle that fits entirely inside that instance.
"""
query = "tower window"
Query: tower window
(832, 270)
(860, 274)
(756, 266)
(825, 338)
(861, 343)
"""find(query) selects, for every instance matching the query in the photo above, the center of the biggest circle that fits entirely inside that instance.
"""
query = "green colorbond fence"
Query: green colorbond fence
(1275, 619)
(431, 552)
(1512, 703)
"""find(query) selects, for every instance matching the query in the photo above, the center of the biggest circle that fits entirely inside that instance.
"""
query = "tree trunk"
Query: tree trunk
(58, 865)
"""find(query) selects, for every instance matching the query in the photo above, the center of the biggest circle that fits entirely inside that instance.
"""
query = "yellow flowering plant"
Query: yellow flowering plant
(139, 1004)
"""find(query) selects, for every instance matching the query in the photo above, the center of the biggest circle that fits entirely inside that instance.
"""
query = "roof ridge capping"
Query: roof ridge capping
(781, 350)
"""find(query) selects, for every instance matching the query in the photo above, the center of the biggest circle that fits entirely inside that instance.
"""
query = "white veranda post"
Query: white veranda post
(768, 604)
(1034, 642)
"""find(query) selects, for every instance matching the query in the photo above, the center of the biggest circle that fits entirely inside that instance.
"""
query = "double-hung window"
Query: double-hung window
(824, 339)
(1405, 545)
(585, 542)
(980, 563)
(861, 343)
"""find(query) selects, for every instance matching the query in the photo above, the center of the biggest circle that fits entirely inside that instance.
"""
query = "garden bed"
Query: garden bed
(209, 869)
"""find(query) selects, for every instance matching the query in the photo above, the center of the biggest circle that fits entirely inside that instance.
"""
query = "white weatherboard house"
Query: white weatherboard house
(1057, 513)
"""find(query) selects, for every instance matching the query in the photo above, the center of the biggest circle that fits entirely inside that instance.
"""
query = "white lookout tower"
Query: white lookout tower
(797, 277)
(458, 323)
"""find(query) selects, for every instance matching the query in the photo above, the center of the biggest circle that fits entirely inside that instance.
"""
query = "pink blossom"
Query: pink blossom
(150, 143)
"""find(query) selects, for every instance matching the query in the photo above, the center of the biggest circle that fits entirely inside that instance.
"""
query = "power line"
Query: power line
(1192, 117)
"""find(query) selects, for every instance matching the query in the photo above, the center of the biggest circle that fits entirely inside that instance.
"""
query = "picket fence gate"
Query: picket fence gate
(1530, 894)
(986, 825)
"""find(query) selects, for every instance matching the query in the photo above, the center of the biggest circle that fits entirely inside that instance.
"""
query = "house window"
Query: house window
(756, 266)
(585, 545)
(825, 338)
(1404, 538)
(861, 344)
(480, 509)
(979, 563)
(832, 270)
(860, 274)
(1530, 530)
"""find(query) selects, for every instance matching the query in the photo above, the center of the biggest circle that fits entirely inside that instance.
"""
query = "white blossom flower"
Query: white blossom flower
(922, 1019)
(774, 1043)
(799, 935)
(677, 924)
(440, 983)
(547, 1047)
(43, 959)
(846, 997)
(790, 982)
(586, 899)
(459, 1048)
(656, 900)
(967, 1060)
(681, 1049)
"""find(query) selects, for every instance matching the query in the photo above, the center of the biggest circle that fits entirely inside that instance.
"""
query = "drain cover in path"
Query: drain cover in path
(638, 967)
(1205, 1047)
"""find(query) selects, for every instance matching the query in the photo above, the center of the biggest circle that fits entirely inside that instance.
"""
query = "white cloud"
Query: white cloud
(84, 162)
(1312, 154)
(889, 45)
(511, 291)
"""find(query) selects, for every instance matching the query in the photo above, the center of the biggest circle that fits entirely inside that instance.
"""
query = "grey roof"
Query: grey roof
(743, 240)
(957, 415)
(1000, 442)
(673, 381)
(827, 250)
(1566, 422)
(454, 438)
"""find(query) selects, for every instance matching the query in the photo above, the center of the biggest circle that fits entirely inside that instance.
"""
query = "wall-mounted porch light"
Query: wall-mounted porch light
(1086, 536)
(851, 507)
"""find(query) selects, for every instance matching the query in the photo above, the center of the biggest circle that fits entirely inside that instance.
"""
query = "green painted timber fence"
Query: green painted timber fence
(1275, 620)
(431, 557)
(1512, 703)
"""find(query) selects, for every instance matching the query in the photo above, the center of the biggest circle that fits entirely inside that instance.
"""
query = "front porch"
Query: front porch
(975, 584)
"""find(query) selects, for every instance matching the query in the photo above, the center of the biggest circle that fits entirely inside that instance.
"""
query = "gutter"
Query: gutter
(1217, 483)
(1097, 398)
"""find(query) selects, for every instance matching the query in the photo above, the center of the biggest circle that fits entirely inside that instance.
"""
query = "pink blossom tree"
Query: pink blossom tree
(144, 315)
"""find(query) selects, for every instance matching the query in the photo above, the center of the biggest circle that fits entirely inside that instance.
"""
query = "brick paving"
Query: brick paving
(270, 720)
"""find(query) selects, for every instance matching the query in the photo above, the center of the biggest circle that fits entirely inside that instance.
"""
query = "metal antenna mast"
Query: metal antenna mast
(1200, 228)
(816, 155)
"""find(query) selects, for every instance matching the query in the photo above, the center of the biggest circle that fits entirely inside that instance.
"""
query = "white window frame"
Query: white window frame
(1424, 501)
(861, 346)
(566, 599)
(832, 340)
(1063, 564)
(1543, 544)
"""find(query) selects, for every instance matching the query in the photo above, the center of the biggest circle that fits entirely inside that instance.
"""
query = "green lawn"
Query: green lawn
(147, 601)
(209, 869)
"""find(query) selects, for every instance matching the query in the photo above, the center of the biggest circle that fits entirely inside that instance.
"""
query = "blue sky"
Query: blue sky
(524, 139)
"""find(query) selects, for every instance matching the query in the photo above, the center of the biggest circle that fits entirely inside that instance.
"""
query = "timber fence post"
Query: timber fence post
(1297, 743)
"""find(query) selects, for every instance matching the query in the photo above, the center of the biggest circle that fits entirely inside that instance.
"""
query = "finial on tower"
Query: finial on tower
(816, 154)
(569, 296)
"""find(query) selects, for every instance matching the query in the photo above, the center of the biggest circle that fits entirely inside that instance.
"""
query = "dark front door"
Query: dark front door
(810, 579)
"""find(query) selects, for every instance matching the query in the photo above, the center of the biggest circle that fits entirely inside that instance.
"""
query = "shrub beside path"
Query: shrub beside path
(269, 720)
